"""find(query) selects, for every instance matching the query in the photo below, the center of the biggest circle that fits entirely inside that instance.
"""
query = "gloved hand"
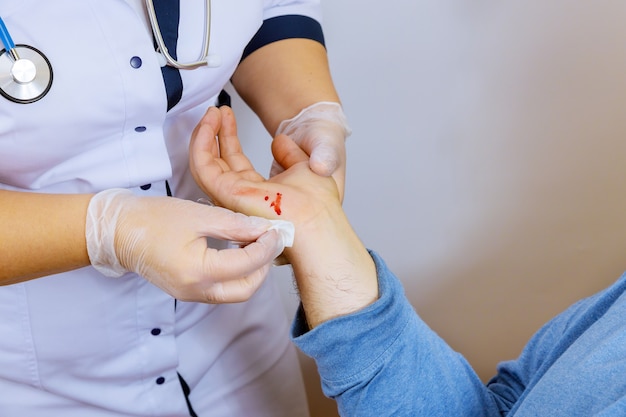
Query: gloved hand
(321, 131)
(164, 240)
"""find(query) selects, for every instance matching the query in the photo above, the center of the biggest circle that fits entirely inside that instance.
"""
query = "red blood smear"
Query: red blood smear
(276, 203)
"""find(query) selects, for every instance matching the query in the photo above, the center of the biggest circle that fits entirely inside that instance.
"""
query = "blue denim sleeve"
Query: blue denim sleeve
(534, 370)
(385, 361)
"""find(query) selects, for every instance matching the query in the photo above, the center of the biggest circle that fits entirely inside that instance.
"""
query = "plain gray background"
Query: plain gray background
(487, 162)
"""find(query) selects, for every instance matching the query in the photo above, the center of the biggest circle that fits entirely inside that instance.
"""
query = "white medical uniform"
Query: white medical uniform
(79, 344)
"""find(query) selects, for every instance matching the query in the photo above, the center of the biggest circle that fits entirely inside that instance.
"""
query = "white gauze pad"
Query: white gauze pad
(286, 230)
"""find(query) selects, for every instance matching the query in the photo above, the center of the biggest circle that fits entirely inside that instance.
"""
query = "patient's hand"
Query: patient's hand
(225, 174)
(333, 270)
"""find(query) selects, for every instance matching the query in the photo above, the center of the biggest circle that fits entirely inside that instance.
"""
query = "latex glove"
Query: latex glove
(164, 240)
(321, 131)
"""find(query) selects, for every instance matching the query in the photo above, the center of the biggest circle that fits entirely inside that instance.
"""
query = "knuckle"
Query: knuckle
(215, 294)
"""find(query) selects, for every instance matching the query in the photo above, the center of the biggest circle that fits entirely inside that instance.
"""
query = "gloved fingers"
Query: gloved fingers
(287, 153)
(327, 157)
(164, 239)
(215, 279)
(249, 257)
(222, 223)
(237, 273)
(326, 151)
(320, 130)
(238, 290)
(184, 266)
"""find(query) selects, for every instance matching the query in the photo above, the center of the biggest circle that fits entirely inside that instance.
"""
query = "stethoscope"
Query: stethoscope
(205, 59)
(26, 73)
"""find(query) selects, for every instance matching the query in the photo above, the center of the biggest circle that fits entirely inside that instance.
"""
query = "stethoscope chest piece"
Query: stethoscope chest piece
(27, 79)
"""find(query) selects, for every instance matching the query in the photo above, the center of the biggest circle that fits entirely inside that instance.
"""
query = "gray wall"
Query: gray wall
(488, 159)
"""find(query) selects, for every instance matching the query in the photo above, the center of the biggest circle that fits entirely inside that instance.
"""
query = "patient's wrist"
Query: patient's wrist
(334, 272)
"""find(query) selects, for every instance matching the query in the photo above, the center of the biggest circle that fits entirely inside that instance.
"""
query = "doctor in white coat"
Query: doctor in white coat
(110, 296)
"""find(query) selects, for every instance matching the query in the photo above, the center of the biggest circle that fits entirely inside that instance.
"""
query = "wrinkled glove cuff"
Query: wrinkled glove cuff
(323, 110)
(102, 215)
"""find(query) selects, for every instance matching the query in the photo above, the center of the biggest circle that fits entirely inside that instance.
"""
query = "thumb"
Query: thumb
(324, 160)
(286, 153)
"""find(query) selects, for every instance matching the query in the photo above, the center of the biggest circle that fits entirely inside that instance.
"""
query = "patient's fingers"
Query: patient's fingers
(204, 159)
(286, 152)
(230, 147)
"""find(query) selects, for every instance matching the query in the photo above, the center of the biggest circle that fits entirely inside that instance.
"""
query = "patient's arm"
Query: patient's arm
(334, 272)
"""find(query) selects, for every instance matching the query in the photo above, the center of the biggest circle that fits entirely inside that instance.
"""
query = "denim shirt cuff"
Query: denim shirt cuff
(345, 346)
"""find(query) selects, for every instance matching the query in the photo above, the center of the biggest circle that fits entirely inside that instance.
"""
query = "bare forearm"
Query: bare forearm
(334, 272)
(282, 78)
(41, 234)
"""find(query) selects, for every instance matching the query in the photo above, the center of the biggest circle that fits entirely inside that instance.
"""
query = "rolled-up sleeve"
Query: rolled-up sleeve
(287, 20)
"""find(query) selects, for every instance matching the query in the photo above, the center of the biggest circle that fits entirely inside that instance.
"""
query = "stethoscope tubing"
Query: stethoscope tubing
(7, 41)
(28, 78)
(5, 37)
(203, 59)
